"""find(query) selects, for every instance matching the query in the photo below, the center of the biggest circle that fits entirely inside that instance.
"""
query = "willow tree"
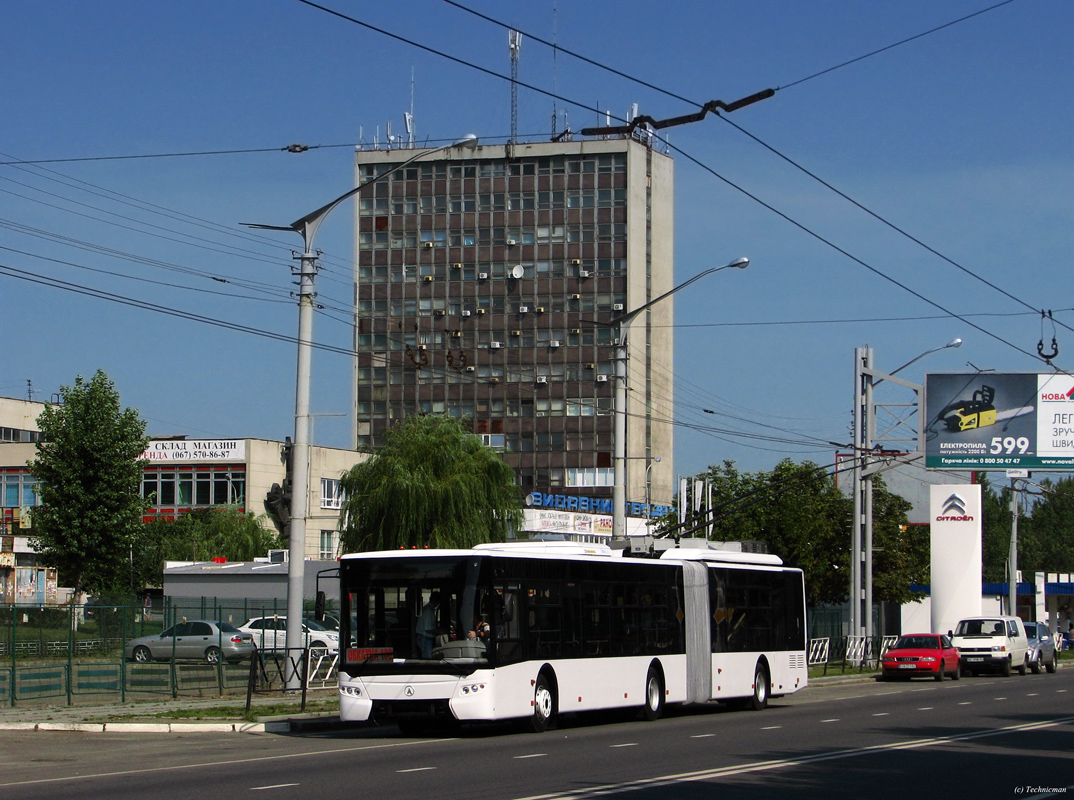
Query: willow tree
(432, 484)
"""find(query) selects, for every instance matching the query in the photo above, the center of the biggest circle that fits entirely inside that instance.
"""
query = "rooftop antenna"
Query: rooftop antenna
(555, 50)
(514, 43)
(410, 117)
(388, 137)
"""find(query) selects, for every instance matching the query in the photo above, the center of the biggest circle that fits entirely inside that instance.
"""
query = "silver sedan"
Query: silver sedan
(202, 640)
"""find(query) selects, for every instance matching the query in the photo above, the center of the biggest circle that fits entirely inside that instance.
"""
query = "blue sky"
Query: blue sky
(962, 138)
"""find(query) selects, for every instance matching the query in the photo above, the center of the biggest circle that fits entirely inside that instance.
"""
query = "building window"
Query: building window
(18, 489)
(189, 487)
(328, 544)
(331, 494)
(599, 476)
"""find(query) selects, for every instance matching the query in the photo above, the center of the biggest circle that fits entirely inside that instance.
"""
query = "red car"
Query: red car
(921, 654)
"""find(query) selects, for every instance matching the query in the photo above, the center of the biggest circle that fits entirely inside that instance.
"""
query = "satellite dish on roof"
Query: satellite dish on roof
(517, 271)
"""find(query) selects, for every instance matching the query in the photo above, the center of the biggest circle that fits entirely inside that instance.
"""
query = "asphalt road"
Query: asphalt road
(985, 737)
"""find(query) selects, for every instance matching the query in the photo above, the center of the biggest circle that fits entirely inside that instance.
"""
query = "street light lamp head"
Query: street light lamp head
(656, 458)
(469, 142)
(740, 263)
(954, 343)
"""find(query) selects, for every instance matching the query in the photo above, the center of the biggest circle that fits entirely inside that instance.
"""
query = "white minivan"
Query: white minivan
(991, 644)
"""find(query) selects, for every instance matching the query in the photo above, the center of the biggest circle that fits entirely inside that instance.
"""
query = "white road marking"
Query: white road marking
(533, 755)
(830, 720)
(703, 736)
(201, 765)
(415, 769)
(881, 714)
(925, 708)
(764, 766)
(274, 786)
(772, 728)
(626, 744)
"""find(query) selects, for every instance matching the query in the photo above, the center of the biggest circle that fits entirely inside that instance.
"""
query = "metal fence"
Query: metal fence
(861, 652)
(72, 654)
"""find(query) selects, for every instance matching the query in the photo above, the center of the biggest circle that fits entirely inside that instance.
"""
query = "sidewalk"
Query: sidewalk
(161, 716)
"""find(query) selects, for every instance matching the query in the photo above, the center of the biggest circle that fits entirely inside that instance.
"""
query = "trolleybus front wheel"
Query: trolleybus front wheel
(544, 705)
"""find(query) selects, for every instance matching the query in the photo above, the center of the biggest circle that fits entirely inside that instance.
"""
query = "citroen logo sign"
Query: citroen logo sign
(954, 505)
(409, 691)
(954, 510)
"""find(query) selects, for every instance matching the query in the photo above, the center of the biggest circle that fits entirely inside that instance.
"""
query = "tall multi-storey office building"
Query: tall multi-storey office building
(479, 278)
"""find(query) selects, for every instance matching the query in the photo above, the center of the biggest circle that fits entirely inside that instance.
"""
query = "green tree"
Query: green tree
(89, 481)
(800, 513)
(901, 552)
(432, 484)
(1046, 537)
(200, 535)
(995, 530)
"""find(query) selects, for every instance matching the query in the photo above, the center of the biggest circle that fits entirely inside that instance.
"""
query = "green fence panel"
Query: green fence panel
(35, 682)
(95, 678)
(155, 678)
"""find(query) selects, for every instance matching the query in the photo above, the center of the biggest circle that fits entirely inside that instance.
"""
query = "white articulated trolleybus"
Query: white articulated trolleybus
(531, 630)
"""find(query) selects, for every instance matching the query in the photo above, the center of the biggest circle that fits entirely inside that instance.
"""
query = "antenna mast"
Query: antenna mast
(555, 67)
(514, 43)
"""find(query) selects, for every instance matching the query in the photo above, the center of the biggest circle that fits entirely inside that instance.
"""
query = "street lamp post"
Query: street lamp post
(648, 493)
(866, 378)
(307, 227)
(623, 322)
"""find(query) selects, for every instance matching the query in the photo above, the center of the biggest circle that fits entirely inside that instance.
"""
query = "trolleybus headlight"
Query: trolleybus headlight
(350, 691)
(472, 688)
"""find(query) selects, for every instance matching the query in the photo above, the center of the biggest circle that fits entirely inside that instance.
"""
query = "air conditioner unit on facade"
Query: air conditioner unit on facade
(554, 343)
(428, 279)
(427, 245)
(590, 366)
(583, 273)
(617, 306)
(523, 309)
(576, 262)
(465, 313)
(422, 347)
(539, 309)
(576, 297)
(494, 380)
(480, 312)
(456, 334)
(456, 266)
(482, 276)
(542, 379)
(494, 345)
(511, 242)
(602, 379)
(440, 312)
(471, 369)
(576, 331)
(516, 333)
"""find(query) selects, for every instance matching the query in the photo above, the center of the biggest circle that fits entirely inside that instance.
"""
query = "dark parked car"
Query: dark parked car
(1041, 647)
(203, 640)
(922, 654)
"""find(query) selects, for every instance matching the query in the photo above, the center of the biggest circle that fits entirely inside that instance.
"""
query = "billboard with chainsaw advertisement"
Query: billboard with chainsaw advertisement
(985, 421)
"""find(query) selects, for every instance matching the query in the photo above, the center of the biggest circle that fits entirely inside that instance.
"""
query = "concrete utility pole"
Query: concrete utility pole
(307, 227)
(623, 323)
(1012, 585)
(866, 464)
